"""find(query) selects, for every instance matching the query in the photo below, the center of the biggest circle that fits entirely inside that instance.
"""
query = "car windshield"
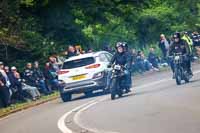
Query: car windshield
(78, 63)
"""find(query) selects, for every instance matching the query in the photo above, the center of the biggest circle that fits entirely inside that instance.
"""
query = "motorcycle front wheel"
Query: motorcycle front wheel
(113, 88)
(178, 76)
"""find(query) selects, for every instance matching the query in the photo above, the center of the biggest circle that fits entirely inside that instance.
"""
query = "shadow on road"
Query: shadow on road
(194, 81)
(95, 94)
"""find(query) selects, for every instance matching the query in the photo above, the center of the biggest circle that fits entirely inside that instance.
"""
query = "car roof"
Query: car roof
(81, 56)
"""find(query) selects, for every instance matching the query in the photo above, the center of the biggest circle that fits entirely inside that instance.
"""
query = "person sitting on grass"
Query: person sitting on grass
(40, 79)
(27, 90)
(153, 59)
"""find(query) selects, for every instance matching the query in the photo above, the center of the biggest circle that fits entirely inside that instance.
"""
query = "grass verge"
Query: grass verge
(22, 106)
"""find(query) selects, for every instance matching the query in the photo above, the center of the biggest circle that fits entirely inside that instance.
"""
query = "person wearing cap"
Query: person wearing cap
(180, 46)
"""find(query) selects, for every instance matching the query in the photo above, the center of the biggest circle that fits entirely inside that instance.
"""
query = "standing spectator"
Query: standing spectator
(8, 73)
(78, 50)
(52, 71)
(2, 71)
(153, 59)
(4, 87)
(40, 79)
(4, 95)
(71, 51)
(164, 45)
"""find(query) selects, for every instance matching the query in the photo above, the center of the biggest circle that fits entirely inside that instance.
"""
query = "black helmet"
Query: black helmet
(125, 45)
(177, 35)
(119, 44)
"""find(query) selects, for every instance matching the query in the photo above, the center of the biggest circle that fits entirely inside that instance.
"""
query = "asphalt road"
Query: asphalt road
(156, 105)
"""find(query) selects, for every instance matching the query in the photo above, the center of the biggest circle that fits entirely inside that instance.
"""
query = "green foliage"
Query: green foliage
(44, 27)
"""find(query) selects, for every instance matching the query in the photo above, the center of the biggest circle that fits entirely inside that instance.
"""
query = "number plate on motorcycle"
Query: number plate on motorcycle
(117, 67)
(177, 58)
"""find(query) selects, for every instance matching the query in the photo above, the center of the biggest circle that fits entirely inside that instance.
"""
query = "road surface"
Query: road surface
(156, 105)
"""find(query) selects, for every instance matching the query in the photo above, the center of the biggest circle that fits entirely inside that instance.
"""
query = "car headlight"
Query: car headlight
(98, 75)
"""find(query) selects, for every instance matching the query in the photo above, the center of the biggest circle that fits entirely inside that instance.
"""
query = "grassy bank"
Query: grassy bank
(22, 106)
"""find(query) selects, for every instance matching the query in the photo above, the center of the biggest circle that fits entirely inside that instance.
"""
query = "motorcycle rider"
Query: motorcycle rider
(120, 58)
(180, 46)
(129, 57)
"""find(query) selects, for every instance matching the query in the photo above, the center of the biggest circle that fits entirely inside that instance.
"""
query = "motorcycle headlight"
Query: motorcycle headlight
(176, 57)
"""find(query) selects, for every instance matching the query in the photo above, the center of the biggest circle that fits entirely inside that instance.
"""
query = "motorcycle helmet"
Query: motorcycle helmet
(177, 35)
(125, 45)
(119, 44)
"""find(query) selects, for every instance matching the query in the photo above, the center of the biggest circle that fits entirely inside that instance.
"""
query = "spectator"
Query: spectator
(147, 64)
(153, 59)
(28, 75)
(134, 54)
(140, 62)
(2, 71)
(23, 88)
(4, 93)
(8, 73)
(71, 51)
(90, 50)
(16, 85)
(51, 72)
(164, 45)
(196, 39)
(78, 50)
(4, 87)
(40, 79)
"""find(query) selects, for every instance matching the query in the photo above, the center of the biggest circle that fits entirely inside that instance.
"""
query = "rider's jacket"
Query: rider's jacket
(121, 59)
(179, 47)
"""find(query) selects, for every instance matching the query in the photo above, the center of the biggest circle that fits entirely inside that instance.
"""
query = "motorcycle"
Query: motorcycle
(180, 69)
(117, 81)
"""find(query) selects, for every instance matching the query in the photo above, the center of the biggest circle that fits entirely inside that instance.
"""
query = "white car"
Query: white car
(84, 74)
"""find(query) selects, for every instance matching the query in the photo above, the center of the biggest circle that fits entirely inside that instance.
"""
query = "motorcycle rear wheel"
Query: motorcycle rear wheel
(186, 77)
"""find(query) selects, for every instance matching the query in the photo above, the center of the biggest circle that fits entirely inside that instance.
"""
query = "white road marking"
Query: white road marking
(78, 114)
(61, 122)
(80, 109)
